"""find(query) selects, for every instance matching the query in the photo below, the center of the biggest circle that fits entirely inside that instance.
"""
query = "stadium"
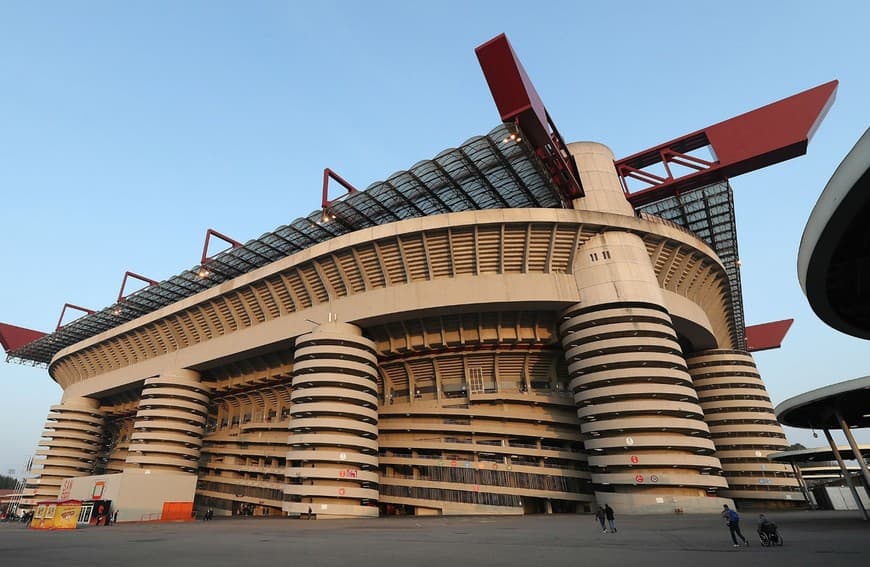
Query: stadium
(507, 328)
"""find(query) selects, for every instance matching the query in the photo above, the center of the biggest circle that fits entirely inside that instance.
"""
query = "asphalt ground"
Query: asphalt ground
(817, 539)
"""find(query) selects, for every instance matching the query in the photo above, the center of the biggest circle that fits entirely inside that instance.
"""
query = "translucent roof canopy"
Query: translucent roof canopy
(486, 172)
(708, 212)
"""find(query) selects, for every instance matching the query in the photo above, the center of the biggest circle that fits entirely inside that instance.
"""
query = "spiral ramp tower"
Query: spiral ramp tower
(69, 447)
(744, 428)
(332, 467)
(643, 427)
(170, 423)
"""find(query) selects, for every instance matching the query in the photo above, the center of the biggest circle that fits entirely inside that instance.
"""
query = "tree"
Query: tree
(7, 481)
(795, 447)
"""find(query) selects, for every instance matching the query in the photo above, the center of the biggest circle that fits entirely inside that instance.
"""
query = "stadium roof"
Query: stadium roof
(522, 163)
(486, 172)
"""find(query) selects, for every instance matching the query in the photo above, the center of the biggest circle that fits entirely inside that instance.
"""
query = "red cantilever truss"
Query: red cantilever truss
(762, 137)
(127, 276)
(208, 234)
(327, 202)
(12, 338)
(766, 336)
(518, 103)
(765, 136)
(66, 306)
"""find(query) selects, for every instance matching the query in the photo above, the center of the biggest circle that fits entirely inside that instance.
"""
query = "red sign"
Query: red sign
(634, 459)
(639, 478)
(341, 492)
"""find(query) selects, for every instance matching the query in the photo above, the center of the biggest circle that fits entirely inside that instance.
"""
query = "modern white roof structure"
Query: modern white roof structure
(820, 408)
(817, 454)
(833, 269)
(833, 257)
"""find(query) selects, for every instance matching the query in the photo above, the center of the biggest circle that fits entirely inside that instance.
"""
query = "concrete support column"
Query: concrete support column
(170, 423)
(856, 450)
(600, 182)
(743, 426)
(800, 477)
(69, 447)
(846, 476)
(649, 447)
(332, 466)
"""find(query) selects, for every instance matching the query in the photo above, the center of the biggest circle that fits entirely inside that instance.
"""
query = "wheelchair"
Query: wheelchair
(769, 535)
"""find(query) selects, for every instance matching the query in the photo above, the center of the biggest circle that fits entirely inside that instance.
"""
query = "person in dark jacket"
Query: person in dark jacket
(608, 513)
(600, 515)
(732, 519)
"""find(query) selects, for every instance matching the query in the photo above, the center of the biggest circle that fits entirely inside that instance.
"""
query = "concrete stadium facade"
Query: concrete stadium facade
(493, 361)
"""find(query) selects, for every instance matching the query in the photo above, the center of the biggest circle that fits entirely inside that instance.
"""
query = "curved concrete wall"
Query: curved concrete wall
(476, 417)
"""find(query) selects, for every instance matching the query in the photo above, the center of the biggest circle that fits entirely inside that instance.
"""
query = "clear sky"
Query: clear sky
(129, 128)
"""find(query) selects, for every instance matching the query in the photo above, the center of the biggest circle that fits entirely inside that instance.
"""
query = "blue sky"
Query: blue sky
(128, 129)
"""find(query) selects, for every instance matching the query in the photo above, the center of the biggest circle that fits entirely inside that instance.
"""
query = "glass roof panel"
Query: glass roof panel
(482, 173)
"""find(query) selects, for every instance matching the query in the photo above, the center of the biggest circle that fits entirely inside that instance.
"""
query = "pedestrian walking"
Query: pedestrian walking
(608, 513)
(600, 515)
(732, 520)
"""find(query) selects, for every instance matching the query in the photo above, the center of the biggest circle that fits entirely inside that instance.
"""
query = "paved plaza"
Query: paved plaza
(811, 539)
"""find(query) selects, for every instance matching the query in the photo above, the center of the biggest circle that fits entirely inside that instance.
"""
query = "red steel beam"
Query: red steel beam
(327, 202)
(766, 336)
(128, 275)
(13, 338)
(518, 103)
(208, 234)
(85, 310)
(765, 136)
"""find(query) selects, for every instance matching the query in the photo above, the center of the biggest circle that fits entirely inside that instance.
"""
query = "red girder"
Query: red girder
(327, 175)
(13, 338)
(66, 306)
(208, 234)
(327, 202)
(765, 136)
(519, 104)
(133, 275)
(767, 336)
